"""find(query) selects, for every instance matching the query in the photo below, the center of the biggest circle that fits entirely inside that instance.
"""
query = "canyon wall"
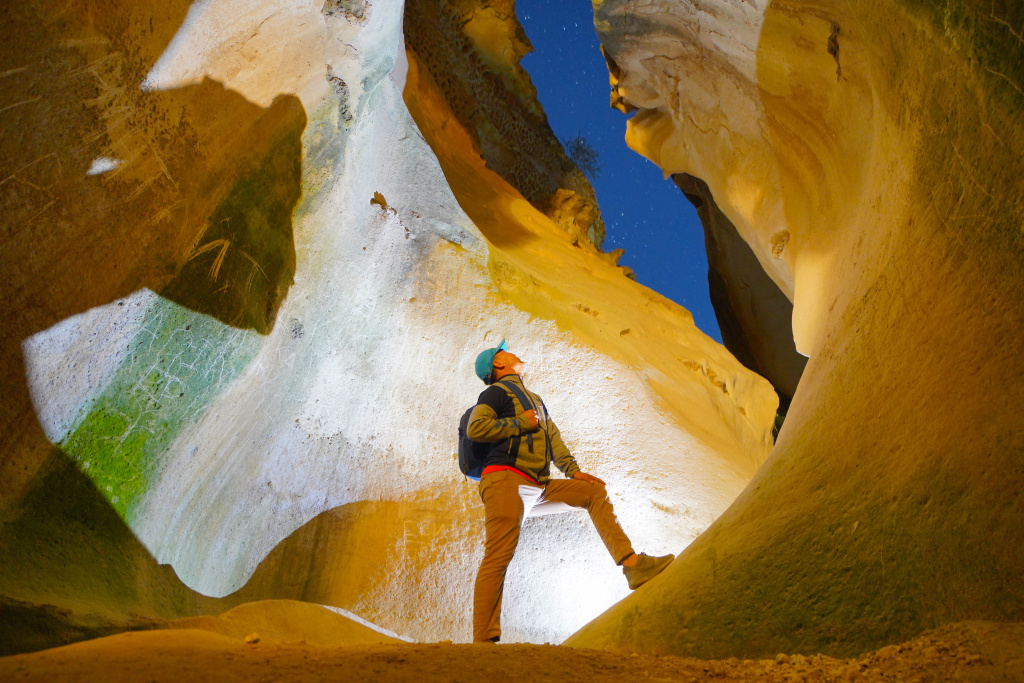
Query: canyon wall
(870, 154)
(753, 314)
(245, 289)
(472, 50)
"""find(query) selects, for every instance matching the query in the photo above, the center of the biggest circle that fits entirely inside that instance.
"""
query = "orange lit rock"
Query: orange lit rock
(472, 49)
(973, 651)
(297, 441)
(870, 154)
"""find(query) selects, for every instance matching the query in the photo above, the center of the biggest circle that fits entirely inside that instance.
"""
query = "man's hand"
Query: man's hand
(583, 476)
(532, 419)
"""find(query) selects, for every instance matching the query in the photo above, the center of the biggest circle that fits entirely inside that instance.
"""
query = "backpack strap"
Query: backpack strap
(547, 437)
(527, 404)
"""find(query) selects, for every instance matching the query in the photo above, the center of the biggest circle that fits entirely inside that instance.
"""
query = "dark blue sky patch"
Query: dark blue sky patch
(645, 215)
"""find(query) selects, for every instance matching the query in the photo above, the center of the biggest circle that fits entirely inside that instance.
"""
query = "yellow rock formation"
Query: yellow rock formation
(472, 51)
(870, 153)
(283, 621)
(244, 335)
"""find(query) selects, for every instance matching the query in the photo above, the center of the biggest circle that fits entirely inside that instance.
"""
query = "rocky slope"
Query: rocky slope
(471, 49)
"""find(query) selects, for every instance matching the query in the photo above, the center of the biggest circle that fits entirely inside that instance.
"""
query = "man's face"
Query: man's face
(505, 359)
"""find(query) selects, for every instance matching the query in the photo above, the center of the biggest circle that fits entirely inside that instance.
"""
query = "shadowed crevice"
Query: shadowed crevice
(754, 315)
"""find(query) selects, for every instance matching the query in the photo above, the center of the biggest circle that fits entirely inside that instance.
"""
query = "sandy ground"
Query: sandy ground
(968, 651)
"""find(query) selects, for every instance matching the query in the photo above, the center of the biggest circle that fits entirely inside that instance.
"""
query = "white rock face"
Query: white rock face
(72, 361)
(353, 398)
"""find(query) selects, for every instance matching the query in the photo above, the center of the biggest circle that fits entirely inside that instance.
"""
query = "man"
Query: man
(516, 483)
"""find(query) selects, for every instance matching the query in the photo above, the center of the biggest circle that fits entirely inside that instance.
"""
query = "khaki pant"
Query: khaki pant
(508, 497)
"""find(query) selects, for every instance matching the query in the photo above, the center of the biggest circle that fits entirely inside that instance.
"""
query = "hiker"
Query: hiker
(515, 482)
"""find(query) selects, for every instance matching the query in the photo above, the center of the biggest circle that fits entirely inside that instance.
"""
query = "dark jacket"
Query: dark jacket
(498, 418)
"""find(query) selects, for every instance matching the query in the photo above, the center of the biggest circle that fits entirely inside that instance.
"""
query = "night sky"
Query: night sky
(644, 214)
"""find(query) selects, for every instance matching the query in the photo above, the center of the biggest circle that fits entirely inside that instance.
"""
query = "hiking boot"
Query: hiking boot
(645, 569)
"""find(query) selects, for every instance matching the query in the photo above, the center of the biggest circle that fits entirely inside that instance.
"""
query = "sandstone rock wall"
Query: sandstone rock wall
(472, 48)
(754, 315)
(109, 189)
(870, 155)
(243, 338)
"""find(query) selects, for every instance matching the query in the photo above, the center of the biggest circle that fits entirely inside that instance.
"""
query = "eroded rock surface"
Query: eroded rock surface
(971, 651)
(754, 315)
(870, 154)
(242, 340)
(471, 49)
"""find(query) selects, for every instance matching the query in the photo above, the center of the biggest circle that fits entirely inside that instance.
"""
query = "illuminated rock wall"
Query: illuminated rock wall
(753, 314)
(870, 154)
(247, 294)
(472, 49)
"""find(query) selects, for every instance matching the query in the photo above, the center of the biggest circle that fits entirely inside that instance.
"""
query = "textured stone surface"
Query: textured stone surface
(472, 48)
(968, 651)
(754, 315)
(875, 150)
(247, 359)
(279, 621)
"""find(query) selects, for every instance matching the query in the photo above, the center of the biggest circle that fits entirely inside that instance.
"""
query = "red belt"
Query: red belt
(498, 468)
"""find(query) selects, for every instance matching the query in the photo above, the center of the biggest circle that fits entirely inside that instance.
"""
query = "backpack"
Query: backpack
(473, 454)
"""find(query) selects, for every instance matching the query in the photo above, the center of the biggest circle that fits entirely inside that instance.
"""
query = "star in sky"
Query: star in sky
(644, 214)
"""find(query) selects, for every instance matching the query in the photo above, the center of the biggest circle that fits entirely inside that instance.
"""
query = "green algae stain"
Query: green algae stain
(206, 326)
(324, 145)
(178, 363)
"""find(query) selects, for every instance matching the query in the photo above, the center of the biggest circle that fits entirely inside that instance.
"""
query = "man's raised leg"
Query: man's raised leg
(592, 497)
